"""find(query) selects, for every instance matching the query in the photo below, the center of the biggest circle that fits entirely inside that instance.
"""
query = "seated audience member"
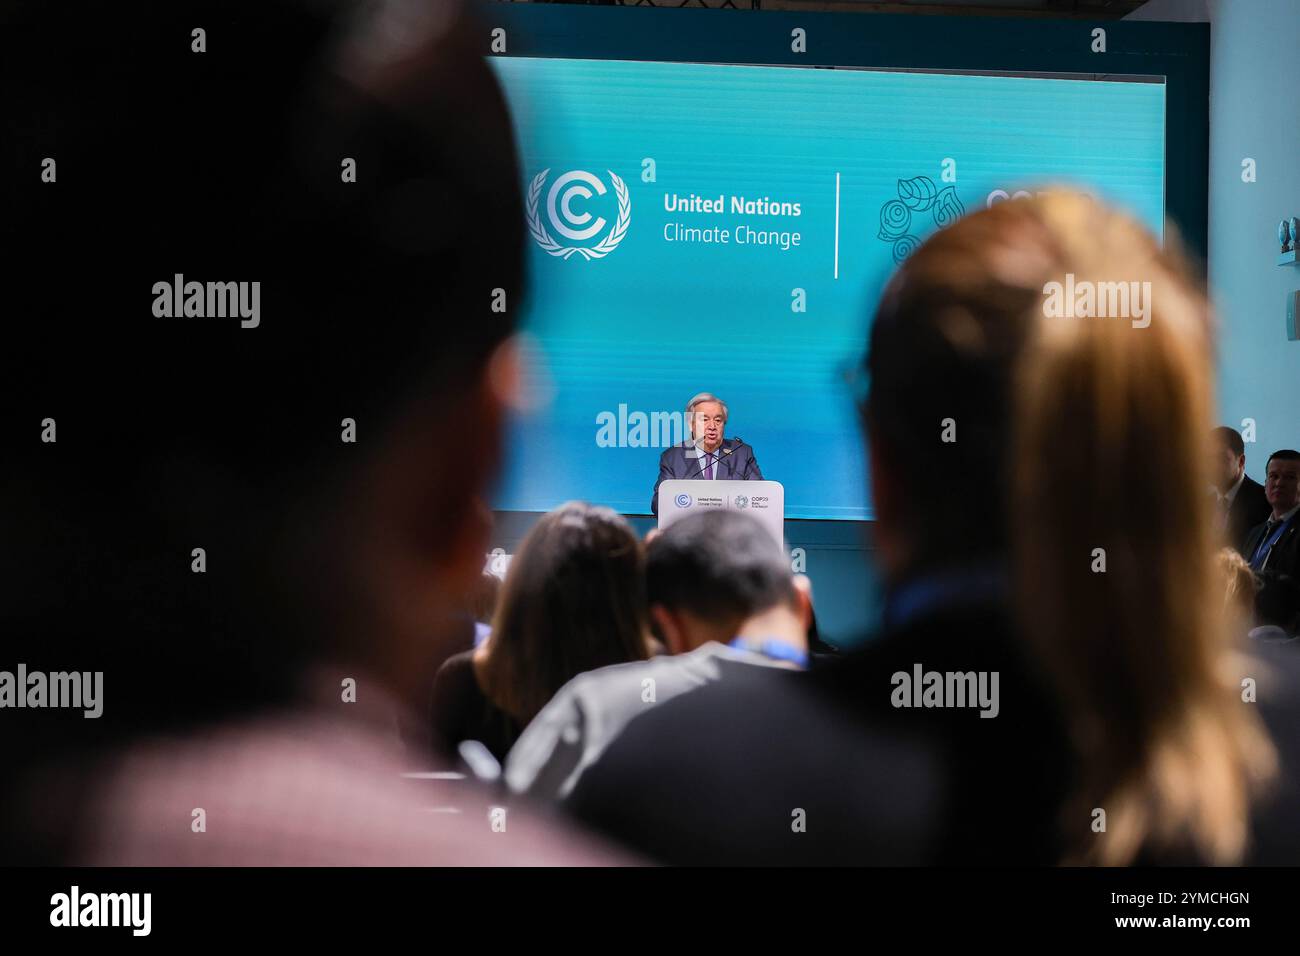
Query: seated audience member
(1014, 687)
(1273, 548)
(721, 598)
(257, 597)
(1239, 501)
(573, 601)
(1242, 588)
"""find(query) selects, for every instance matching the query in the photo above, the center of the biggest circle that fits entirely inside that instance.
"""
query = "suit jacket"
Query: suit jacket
(1278, 600)
(1249, 508)
(735, 460)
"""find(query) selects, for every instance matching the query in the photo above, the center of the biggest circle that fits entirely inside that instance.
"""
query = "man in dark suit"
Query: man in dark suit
(706, 454)
(1239, 501)
(1273, 547)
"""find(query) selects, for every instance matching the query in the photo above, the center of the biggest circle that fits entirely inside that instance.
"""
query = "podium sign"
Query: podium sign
(765, 500)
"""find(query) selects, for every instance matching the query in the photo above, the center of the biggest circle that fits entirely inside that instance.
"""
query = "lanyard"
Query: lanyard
(769, 647)
(1261, 553)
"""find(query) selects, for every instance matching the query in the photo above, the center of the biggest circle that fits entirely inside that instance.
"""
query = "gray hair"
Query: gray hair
(700, 399)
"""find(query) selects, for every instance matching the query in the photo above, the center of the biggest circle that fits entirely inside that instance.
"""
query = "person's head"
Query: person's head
(943, 343)
(362, 177)
(1098, 430)
(1227, 457)
(573, 600)
(1282, 481)
(707, 417)
(1239, 588)
(711, 575)
(1114, 551)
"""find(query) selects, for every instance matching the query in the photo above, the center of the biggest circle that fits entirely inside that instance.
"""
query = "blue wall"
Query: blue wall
(1255, 113)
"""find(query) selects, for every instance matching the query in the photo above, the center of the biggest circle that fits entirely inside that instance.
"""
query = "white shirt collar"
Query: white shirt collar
(1286, 515)
(1231, 493)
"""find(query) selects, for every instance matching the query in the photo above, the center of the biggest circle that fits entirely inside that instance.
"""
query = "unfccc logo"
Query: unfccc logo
(565, 220)
(683, 500)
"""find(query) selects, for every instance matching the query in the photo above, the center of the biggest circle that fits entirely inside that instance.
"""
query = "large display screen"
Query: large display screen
(723, 228)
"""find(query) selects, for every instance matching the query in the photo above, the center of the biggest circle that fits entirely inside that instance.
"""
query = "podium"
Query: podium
(765, 500)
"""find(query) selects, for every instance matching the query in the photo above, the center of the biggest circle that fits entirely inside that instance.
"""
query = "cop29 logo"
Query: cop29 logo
(916, 195)
(577, 225)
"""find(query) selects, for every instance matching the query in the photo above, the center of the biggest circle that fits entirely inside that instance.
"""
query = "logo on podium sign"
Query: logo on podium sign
(683, 500)
(742, 501)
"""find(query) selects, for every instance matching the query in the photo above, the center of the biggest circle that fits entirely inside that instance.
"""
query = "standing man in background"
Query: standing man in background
(1240, 504)
(706, 454)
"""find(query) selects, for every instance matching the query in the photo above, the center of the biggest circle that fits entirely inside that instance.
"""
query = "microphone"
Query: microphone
(714, 457)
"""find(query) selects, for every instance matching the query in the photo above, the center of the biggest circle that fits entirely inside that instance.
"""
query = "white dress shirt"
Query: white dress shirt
(708, 471)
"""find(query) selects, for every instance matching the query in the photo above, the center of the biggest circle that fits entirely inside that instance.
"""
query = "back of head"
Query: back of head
(573, 600)
(722, 565)
(1114, 547)
(943, 346)
(179, 431)
(1079, 449)
(1239, 588)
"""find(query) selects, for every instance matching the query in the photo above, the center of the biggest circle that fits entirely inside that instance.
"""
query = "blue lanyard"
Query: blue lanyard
(922, 594)
(769, 647)
(1266, 546)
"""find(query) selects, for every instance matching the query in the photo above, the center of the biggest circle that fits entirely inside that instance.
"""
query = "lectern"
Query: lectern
(765, 500)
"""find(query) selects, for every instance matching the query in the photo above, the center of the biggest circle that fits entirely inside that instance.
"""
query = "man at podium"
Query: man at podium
(706, 455)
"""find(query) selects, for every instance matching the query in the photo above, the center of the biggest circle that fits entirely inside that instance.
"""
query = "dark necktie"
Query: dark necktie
(1261, 552)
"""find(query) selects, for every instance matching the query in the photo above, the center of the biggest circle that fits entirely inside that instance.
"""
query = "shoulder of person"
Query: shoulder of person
(456, 666)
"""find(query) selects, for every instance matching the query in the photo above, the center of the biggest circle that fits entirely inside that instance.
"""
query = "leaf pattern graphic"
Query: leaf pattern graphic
(947, 208)
(918, 193)
(895, 220)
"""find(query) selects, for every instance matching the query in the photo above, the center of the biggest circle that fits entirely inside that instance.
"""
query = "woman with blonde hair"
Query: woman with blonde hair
(1239, 588)
(1115, 570)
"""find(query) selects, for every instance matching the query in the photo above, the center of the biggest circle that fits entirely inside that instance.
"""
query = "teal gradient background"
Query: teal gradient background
(654, 322)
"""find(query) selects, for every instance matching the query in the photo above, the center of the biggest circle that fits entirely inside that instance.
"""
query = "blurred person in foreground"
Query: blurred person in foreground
(259, 592)
(1239, 500)
(1051, 640)
(573, 601)
(722, 598)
